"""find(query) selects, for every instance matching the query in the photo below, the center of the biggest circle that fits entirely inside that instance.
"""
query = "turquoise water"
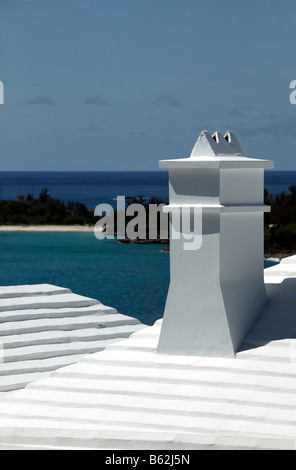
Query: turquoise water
(132, 278)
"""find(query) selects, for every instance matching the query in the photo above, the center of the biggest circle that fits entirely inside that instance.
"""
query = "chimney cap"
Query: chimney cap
(216, 151)
(216, 145)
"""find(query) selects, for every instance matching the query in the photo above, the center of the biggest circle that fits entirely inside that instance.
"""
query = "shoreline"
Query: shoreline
(46, 228)
(269, 255)
(279, 255)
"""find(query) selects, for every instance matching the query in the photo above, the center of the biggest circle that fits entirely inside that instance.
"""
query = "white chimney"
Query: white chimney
(216, 291)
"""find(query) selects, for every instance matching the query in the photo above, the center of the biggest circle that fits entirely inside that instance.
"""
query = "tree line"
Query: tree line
(280, 222)
(44, 210)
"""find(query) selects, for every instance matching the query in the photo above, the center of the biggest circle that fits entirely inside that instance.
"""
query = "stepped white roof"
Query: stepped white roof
(44, 327)
(129, 397)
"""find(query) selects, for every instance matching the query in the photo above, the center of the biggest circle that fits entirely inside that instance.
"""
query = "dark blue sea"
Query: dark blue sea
(90, 188)
(93, 188)
(132, 278)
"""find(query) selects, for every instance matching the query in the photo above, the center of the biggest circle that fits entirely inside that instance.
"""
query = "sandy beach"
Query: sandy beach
(268, 255)
(46, 228)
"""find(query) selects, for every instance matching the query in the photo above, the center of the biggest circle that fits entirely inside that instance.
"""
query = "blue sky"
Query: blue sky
(121, 84)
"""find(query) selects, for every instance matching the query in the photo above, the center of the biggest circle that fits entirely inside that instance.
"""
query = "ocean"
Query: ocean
(90, 188)
(131, 278)
(93, 188)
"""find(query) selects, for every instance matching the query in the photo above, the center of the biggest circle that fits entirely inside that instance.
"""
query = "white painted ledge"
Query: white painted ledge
(31, 290)
(215, 162)
(217, 208)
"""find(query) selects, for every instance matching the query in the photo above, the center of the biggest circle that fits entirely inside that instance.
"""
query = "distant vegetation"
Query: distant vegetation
(280, 223)
(44, 211)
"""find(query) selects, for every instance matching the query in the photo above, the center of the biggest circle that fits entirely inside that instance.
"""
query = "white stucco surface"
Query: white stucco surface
(44, 327)
(212, 301)
(128, 396)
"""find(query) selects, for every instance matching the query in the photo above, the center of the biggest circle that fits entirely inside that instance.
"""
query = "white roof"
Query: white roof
(44, 327)
(129, 397)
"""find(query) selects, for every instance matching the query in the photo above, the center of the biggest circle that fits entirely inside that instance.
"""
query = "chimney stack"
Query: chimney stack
(217, 288)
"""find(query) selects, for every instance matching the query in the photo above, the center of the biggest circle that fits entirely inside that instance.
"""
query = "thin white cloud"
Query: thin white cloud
(251, 113)
(140, 133)
(171, 141)
(280, 130)
(96, 101)
(166, 100)
(92, 128)
(42, 100)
